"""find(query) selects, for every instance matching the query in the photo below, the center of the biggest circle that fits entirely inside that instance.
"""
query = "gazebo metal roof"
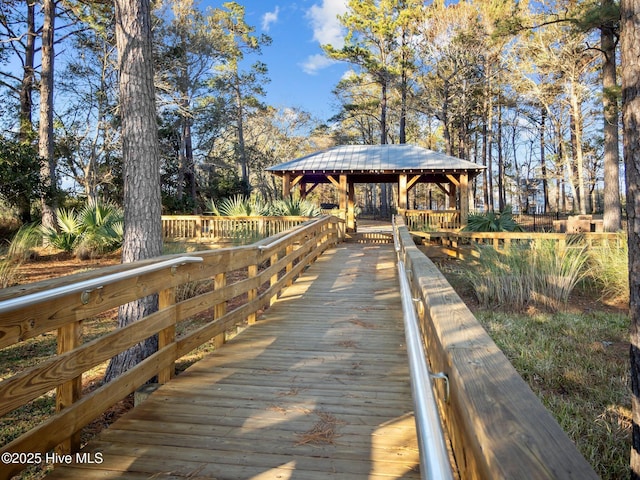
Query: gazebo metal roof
(368, 159)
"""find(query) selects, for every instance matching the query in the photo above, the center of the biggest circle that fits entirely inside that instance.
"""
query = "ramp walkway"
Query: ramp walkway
(318, 388)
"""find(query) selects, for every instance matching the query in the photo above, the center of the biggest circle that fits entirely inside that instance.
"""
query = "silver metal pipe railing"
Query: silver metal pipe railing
(434, 456)
(87, 286)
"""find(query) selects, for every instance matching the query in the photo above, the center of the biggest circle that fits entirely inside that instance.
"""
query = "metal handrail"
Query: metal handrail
(87, 286)
(434, 457)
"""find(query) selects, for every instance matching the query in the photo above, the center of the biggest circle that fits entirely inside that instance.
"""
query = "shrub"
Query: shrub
(294, 206)
(96, 229)
(239, 206)
(492, 222)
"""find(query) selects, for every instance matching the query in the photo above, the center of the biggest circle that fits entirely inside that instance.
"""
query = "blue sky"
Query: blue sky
(300, 74)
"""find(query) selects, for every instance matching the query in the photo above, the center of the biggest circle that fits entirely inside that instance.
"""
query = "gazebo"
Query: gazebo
(407, 165)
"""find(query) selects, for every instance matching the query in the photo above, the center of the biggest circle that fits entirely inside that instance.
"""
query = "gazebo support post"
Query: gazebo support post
(351, 202)
(286, 185)
(464, 199)
(402, 193)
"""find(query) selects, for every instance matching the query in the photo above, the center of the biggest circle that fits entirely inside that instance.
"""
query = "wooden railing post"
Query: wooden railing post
(252, 294)
(69, 338)
(166, 336)
(274, 278)
(289, 267)
(220, 281)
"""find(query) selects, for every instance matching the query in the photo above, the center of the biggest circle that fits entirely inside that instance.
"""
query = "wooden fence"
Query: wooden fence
(210, 228)
(497, 426)
(461, 244)
(268, 267)
(418, 220)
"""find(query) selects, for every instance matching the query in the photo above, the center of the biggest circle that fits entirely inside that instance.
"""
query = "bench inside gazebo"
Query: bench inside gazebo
(405, 165)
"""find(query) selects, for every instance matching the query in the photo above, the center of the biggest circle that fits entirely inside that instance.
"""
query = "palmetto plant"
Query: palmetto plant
(295, 206)
(241, 206)
(97, 228)
(492, 222)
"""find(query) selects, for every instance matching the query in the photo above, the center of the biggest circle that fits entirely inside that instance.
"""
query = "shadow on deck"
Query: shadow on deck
(318, 388)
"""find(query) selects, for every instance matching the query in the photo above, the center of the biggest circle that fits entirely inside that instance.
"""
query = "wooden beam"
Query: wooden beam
(412, 181)
(443, 188)
(296, 180)
(311, 188)
(335, 182)
(453, 180)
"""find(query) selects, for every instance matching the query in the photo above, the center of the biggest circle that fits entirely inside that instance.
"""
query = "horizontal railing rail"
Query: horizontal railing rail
(464, 244)
(434, 456)
(496, 426)
(87, 286)
(240, 282)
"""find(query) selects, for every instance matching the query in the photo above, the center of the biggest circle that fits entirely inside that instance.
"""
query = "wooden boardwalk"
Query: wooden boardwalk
(318, 388)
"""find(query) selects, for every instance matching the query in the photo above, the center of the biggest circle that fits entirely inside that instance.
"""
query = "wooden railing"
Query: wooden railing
(497, 426)
(230, 229)
(268, 267)
(461, 244)
(426, 220)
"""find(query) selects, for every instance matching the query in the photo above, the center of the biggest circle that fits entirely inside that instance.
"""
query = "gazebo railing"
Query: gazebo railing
(419, 220)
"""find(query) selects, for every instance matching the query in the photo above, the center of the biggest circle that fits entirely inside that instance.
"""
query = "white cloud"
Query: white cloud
(270, 18)
(317, 62)
(324, 21)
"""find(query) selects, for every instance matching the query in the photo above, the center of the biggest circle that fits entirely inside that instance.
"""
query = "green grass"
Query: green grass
(577, 365)
(576, 362)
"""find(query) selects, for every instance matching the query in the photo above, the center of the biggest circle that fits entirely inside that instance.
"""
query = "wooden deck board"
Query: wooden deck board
(328, 358)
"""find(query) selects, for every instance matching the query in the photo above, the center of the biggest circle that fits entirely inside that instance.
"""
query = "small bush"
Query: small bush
(295, 206)
(492, 222)
(96, 229)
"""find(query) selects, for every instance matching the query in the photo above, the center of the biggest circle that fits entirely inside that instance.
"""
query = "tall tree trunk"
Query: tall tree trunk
(446, 125)
(612, 207)
(45, 147)
(485, 154)
(403, 108)
(140, 151)
(576, 144)
(191, 169)
(242, 153)
(501, 195)
(543, 164)
(630, 60)
(26, 89)
(383, 112)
